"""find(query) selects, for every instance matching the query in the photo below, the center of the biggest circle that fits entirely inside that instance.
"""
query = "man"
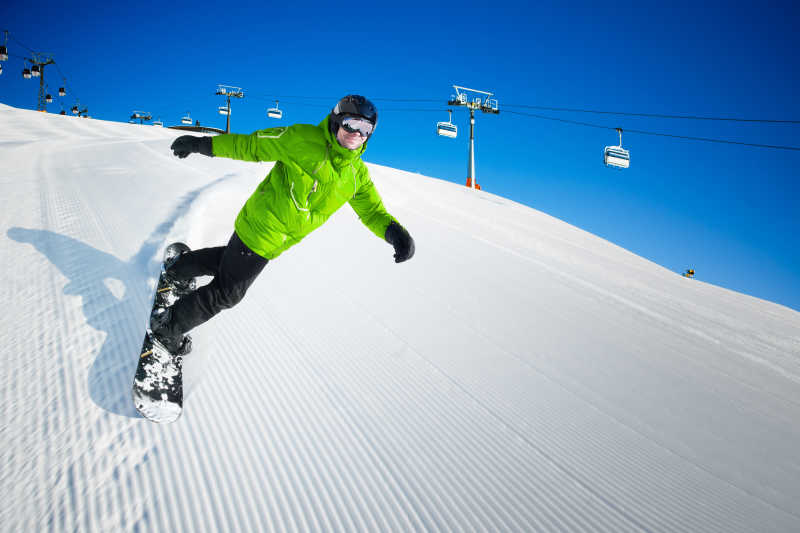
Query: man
(317, 170)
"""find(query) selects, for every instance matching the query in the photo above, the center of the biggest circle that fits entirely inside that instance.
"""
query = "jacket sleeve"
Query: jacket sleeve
(263, 145)
(368, 206)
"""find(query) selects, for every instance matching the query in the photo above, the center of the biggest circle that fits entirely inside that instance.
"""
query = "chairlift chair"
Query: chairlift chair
(447, 129)
(1, 69)
(48, 99)
(223, 110)
(158, 122)
(3, 53)
(35, 72)
(26, 73)
(274, 112)
(74, 110)
(187, 120)
(617, 156)
(62, 91)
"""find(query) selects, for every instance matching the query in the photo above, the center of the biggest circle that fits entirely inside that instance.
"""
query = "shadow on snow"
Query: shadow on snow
(92, 274)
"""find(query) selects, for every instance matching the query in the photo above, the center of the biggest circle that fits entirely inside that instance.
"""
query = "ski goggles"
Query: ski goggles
(358, 125)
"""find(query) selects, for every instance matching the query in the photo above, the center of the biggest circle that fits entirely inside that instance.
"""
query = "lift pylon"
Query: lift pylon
(228, 91)
(469, 98)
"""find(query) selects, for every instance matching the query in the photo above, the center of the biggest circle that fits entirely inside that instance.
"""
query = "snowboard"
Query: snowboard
(158, 384)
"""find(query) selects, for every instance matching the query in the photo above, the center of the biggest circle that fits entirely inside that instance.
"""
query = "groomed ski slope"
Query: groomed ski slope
(519, 374)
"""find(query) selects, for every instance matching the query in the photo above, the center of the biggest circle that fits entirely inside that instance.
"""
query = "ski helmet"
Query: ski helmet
(353, 105)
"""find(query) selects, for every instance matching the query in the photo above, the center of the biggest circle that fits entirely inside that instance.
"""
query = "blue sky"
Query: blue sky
(731, 212)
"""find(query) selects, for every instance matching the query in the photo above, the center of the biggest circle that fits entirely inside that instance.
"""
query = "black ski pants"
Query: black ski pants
(234, 268)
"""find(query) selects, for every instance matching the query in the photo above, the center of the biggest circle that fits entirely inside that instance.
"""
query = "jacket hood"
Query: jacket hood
(337, 150)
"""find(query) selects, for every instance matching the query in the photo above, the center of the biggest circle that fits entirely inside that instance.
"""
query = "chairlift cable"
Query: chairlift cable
(642, 132)
(577, 110)
(654, 115)
(31, 50)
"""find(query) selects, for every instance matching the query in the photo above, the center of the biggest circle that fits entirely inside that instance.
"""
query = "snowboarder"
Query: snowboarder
(317, 170)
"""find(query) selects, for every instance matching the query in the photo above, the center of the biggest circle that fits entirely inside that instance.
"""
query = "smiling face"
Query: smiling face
(351, 141)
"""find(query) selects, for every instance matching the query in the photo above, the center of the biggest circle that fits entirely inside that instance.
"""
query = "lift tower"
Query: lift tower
(485, 104)
(38, 61)
(228, 91)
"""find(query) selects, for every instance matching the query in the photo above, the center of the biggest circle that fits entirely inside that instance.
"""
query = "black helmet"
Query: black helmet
(352, 105)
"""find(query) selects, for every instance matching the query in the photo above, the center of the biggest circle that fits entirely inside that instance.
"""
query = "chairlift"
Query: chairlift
(1, 69)
(35, 72)
(187, 119)
(274, 112)
(48, 99)
(74, 110)
(26, 73)
(617, 156)
(3, 53)
(62, 91)
(223, 110)
(158, 123)
(447, 129)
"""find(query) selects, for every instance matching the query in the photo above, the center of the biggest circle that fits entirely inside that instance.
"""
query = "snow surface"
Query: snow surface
(518, 374)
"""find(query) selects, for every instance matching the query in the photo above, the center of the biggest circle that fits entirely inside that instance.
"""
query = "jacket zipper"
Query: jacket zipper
(313, 190)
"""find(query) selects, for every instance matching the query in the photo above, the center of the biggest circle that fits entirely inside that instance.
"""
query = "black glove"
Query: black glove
(189, 144)
(397, 236)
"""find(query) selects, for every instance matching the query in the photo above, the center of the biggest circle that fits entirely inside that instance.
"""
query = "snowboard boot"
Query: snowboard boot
(182, 286)
(170, 287)
(166, 333)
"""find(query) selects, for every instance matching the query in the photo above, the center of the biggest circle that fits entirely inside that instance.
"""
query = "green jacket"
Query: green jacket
(313, 177)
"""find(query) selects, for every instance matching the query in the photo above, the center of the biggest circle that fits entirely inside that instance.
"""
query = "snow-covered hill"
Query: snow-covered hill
(518, 374)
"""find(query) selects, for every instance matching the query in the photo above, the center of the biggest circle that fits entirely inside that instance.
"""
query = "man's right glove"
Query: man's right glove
(397, 236)
(189, 144)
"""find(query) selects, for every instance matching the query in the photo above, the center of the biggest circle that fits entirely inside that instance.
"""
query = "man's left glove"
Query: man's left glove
(397, 236)
(189, 144)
